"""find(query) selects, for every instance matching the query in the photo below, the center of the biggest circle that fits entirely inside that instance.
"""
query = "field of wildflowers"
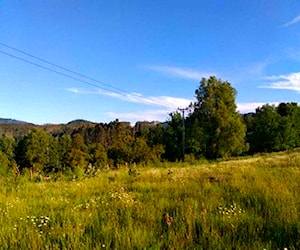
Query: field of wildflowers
(250, 203)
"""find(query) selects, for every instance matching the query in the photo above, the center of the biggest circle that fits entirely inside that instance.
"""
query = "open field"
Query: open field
(250, 203)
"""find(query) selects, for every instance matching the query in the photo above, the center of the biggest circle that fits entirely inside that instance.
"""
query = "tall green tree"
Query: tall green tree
(141, 152)
(275, 128)
(195, 143)
(289, 125)
(4, 165)
(121, 140)
(172, 138)
(265, 127)
(222, 127)
(7, 146)
(54, 163)
(98, 155)
(33, 150)
(7, 161)
(76, 156)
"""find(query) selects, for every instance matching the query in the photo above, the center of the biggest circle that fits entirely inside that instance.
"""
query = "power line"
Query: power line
(60, 67)
(109, 87)
(58, 72)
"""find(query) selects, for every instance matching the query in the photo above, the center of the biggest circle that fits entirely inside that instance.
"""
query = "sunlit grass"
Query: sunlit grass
(251, 203)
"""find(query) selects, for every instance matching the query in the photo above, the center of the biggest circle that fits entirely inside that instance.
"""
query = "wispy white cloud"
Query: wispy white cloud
(293, 21)
(163, 114)
(288, 82)
(180, 72)
(246, 107)
(162, 101)
(168, 103)
(293, 53)
(73, 90)
(145, 115)
(257, 69)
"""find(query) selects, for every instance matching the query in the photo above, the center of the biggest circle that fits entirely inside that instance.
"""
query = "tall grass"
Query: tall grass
(251, 203)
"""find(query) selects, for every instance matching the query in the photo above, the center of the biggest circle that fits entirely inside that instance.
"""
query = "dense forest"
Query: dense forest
(211, 129)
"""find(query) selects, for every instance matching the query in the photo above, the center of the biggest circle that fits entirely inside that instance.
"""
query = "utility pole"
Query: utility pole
(183, 131)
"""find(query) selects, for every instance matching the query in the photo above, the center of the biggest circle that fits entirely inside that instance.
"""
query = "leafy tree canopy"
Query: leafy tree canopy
(222, 127)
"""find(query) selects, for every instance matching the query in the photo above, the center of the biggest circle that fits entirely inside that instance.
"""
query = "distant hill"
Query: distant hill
(14, 128)
(11, 121)
(79, 122)
(17, 129)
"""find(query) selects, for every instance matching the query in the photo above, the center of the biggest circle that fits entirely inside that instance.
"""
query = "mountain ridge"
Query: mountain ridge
(12, 121)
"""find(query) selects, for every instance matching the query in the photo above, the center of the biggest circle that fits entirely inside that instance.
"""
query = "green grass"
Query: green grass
(247, 203)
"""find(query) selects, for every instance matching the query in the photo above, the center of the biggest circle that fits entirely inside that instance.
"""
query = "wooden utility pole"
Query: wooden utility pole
(183, 131)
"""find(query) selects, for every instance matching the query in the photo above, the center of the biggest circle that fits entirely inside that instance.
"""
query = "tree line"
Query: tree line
(213, 128)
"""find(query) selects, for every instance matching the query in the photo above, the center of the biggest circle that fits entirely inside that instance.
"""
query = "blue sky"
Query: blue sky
(154, 51)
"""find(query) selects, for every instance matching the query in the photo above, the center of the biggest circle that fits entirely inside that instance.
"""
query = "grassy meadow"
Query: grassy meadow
(247, 203)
